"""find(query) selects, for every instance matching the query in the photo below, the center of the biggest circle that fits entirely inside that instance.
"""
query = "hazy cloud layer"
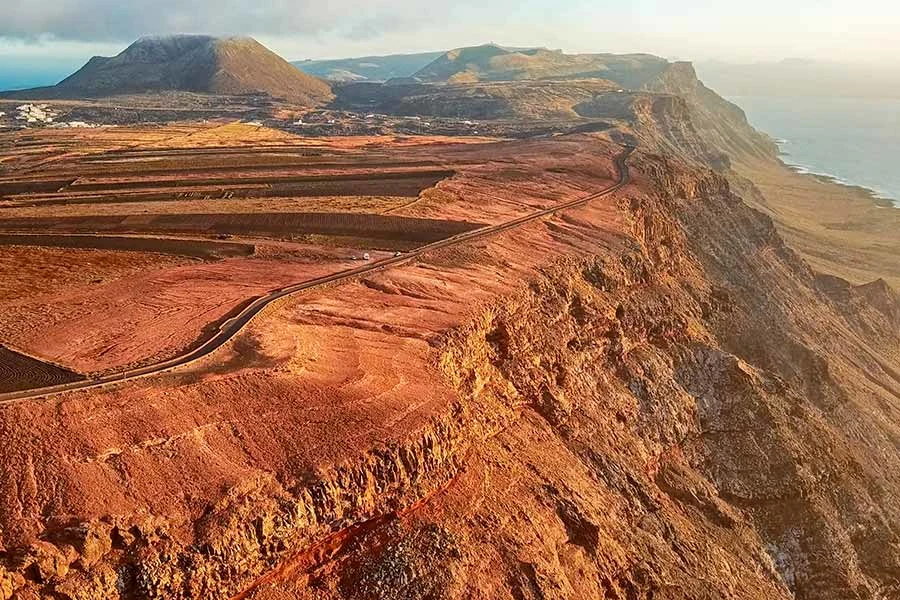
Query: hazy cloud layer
(861, 31)
(121, 20)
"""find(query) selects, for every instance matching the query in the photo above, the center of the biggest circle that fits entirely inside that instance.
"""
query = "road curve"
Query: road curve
(232, 326)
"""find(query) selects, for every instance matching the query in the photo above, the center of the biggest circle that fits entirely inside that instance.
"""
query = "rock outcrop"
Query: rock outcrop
(722, 124)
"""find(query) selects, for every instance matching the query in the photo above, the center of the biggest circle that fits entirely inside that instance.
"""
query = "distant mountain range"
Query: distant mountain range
(480, 82)
(367, 68)
(378, 68)
(489, 62)
(241, 65)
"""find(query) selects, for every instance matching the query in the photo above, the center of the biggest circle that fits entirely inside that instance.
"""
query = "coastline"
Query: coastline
(876, 197)
(836, 140)
(881, 199)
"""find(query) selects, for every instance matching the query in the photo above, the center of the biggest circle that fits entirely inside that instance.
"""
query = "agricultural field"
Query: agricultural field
(123, 247)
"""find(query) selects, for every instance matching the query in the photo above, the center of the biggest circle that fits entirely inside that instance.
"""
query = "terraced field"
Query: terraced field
(126, 247)
(266, 224)
(233, 212)
(204, 249)
(20, 372)
(397, 183)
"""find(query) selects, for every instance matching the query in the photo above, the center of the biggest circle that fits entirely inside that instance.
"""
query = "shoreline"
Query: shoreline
(769, 116)
(878, 198)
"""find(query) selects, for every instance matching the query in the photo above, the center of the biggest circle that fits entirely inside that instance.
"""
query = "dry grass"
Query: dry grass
(838, 229)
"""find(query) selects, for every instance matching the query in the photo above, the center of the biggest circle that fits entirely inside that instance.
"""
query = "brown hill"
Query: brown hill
(493, 63)
(192, 63)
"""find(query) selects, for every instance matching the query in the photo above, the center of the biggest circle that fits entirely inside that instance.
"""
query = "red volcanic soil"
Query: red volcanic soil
(359, 357)
(153, 314)
(30, 272)
(177, 247)
(354, 363)
(313, 381)
(646, 395)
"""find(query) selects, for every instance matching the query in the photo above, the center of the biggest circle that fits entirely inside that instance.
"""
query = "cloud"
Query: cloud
(864, 31)
(118, 20)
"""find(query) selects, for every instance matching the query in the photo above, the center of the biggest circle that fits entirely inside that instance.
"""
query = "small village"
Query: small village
(37, 115)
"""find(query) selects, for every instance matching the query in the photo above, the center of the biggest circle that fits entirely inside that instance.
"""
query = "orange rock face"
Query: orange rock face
(649, 396)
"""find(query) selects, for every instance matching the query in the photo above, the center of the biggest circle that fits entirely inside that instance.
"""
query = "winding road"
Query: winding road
(232, 326)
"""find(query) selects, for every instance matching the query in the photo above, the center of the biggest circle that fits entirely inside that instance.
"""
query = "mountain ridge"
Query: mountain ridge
(490, 62)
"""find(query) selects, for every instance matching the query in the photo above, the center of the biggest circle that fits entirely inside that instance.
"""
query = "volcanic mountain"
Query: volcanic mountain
(190, 63)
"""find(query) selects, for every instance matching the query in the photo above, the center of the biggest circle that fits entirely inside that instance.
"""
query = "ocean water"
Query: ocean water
(854, 140)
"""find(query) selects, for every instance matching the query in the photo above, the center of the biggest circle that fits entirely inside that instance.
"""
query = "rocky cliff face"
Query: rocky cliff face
(664, 123)
(722, 124)
(685, 411)
(685, 420)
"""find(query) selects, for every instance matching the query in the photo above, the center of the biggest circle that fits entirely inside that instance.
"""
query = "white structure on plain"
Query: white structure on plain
(76, 125)
(35, 113)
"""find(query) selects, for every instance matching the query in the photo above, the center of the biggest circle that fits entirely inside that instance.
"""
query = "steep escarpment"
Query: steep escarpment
(721, 123)
(821, 499)
(666, 105)
(661, 122)
(666, 403)
(692, 424)
(675, 432)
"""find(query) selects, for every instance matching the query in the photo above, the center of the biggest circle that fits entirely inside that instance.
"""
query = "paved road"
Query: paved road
(231, 327)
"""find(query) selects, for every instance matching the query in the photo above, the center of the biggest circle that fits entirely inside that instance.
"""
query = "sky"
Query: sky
(40, 36)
